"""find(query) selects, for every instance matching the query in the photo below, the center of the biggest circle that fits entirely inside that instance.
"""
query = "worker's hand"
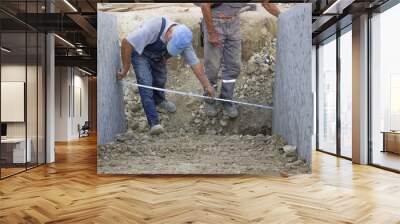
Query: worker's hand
(271, 8)
(213, 38)
(121, 74)
(210, 91)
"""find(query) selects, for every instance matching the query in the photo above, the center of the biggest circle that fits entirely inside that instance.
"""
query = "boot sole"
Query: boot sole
(157, 132)
(230, 116)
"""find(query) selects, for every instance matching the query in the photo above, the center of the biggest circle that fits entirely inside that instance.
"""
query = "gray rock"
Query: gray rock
(213, 121)
(294, 164)
(223, 122)
(125, 136)
(211, 132)
(289, 150)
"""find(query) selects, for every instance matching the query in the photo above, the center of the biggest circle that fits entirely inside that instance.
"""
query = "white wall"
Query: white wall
(33, 126)
(69, 82)
(80, 84)
(62, 81)
(12, 73)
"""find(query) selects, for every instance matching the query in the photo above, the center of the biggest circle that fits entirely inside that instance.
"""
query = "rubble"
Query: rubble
(202, 154)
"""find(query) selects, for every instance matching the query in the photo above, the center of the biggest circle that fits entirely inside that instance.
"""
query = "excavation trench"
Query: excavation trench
(196, 144)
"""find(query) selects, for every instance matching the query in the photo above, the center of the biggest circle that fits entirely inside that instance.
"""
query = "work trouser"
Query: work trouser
(151, 73)
(228, 56)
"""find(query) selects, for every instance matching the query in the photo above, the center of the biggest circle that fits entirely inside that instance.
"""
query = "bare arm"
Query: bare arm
(198, 71)
(207, 16)
(126, 51)
(271, 8)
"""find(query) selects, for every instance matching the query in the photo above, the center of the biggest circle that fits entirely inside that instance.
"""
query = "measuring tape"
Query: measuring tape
(203, 97)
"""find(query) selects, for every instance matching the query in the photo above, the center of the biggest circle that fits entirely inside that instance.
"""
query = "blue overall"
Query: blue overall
(150, 69)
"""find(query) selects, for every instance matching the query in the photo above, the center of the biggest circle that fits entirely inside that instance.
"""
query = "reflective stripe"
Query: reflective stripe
(229, 80)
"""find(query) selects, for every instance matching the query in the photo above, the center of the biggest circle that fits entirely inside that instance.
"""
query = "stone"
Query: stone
(191, 102)
(291, 159)
(129, 135)
(284, 174)
(294, 164)
(289, 148)
(211, 132)
(289, 151)
(223, 122)
(213, 121)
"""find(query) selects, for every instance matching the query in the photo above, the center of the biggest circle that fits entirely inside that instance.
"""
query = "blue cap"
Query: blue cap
(181, 39)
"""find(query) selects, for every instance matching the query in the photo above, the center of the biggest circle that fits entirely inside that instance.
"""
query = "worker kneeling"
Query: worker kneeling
(148, 48)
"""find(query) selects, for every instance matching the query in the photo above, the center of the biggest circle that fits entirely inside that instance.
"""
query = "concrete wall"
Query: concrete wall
(110, 105)
(293, 99)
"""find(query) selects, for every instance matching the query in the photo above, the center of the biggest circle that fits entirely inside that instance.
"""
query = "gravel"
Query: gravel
(203, 154)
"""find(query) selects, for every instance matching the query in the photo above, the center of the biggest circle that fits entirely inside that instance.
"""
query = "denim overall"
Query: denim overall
(150, 69)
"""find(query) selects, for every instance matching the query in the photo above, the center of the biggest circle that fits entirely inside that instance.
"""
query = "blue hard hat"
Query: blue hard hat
(181, 39)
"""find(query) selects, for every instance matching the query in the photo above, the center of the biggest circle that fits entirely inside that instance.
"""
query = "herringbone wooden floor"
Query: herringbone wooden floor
(69, 191)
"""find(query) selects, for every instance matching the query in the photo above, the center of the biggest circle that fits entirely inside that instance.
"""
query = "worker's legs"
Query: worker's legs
(230, 72)
(212, 64)
(212, 57)
(231, 65)
(142, 68)
(231, 59)
(159, 73)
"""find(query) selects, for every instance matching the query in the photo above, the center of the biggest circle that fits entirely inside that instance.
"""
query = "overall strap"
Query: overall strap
(157, 49)
(162, 28)
(215, 5)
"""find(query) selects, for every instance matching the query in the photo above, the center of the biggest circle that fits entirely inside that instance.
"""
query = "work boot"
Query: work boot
(156, 129)
(230, 110)
(211, 109)
(167, 106)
